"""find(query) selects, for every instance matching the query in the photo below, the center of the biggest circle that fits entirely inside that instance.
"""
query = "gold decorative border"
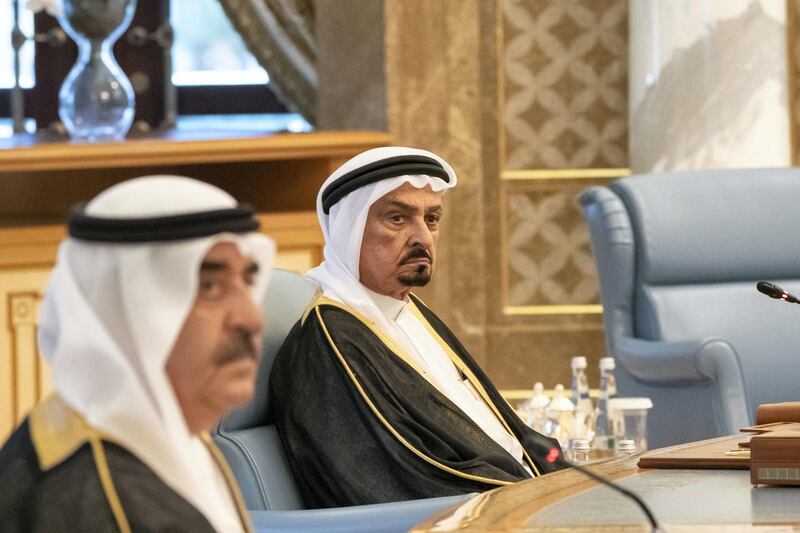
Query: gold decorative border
(21, 312)
(563, 173)
(555, 309)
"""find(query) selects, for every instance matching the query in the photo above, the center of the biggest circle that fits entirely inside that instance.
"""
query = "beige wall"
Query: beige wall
(528, 101)
(708, 85)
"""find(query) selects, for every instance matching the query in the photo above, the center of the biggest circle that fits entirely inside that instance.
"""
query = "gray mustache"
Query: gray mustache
(239, 347)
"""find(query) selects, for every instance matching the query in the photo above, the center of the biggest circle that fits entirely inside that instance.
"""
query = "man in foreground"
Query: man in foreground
(375, 399)
(151, 328)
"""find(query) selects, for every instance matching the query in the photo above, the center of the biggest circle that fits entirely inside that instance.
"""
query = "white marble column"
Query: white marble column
(708, 84)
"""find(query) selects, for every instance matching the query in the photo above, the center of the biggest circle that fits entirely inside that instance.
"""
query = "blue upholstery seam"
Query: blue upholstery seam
(252, 462)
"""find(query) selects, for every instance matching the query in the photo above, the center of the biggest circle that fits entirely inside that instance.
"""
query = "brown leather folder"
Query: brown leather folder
(722, 453)
(769, 413)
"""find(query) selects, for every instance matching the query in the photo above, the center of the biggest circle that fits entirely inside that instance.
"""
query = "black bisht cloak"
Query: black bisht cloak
(360, 425)
(66, 477)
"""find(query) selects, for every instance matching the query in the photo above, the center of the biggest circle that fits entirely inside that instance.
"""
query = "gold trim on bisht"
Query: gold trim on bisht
(459, 363)
(57, 432)
(397, 350)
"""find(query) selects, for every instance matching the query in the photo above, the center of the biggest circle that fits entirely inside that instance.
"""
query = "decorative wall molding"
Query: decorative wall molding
(563, 92)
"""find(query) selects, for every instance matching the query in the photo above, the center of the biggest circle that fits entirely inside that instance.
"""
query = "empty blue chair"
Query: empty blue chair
(678, 256)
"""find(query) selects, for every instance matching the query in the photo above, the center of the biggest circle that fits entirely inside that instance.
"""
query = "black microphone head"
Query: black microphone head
(770, 289)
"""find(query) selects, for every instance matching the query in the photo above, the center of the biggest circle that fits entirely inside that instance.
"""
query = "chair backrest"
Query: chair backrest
(679, 254)
(247, 436)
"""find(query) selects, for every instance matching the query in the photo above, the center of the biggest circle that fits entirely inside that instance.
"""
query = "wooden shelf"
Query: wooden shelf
(27, 153)
(40, 178)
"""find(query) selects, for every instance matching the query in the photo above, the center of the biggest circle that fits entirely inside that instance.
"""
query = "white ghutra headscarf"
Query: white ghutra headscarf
(112, 313)
(343, 226)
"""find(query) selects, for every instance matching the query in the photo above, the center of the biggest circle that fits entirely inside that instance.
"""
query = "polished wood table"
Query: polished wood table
(681, 499)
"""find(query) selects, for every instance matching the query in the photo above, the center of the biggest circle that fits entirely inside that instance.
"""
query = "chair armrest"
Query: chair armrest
(391, 517)
(691, 361)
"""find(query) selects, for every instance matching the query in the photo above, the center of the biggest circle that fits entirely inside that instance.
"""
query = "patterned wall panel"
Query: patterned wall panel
(547, 247)
(564, 83)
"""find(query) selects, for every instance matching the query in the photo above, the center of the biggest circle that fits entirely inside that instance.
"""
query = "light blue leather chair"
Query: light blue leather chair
(251, 444)
(678, 257)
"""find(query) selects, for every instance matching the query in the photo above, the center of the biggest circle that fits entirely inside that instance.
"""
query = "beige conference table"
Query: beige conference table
(681, 499)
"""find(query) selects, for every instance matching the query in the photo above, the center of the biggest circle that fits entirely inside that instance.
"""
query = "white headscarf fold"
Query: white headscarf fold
(110, 317)
(343, 229)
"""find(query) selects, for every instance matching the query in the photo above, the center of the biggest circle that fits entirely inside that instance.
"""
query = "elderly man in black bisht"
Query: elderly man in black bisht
(375, 399)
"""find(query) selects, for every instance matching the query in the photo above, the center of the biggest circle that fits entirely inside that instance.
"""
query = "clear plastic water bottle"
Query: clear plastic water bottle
(604, 433)
(579, 451)
(533, 409)
(560, 416)
(584, 410)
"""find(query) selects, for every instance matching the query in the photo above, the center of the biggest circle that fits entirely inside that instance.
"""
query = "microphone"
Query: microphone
(555, 456)
(773, 291)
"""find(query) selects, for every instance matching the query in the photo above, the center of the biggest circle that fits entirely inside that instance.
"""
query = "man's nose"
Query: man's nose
(245, 314)
(421, 235)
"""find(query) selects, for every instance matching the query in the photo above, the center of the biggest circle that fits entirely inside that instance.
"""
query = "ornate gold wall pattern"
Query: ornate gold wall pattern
(562, 90)
(564, 83)
(549, 259)
(454, 68)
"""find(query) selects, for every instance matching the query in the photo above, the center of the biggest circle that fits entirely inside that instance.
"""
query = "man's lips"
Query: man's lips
(418, 261)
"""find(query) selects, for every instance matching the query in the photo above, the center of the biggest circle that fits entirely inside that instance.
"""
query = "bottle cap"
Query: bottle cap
(626, 445)
(580, 445)
(578, 362)
(607, 363)
(629, 404)
(560, 403)
(538, 399)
